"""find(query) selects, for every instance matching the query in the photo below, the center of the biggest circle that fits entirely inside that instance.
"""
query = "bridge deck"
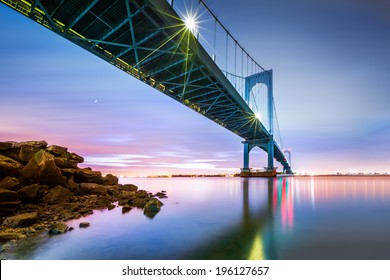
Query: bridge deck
(148, 40)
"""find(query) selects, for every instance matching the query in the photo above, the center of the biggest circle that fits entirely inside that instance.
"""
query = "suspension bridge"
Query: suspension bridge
(181, 49)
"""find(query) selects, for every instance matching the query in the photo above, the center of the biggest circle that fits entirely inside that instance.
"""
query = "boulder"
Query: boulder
(9, 167)
(10, 183)
(58, 228)
(8, 195)
(32, 193)
(26, 153)
(72, 186)
(126, 209)
(42, 169)
(21, 220)
(84, 224)
(6, 145)
(92, 188)
(111, 206)
(87, 175)
(110, 179)
(152, 207)
(63, 162)
(141, 194)
(76, 157)
(58, 194)
(39, 144)
(8, 207)
(130, 187)
(58, 150)
(139, 202)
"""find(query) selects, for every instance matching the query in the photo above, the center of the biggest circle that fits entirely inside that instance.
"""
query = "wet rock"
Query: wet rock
(152, 207)
(130, 187)
(58, 194)
(21, 220)
(58, 228)
(161, 195)
(42, 169)
(111, 206)
(8, 236)
(10, 183)
(103, 202)
(9, 167)
(32, 193)
(92, 188)
(141, 194)
(139, 202)
(126, 209)
(72, 186)
(110, 179)
(84, 224)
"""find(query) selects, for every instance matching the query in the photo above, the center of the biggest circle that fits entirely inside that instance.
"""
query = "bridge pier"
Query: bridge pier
(266, 145)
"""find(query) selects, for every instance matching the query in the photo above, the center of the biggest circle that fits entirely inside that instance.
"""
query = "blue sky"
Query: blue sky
(331, 86)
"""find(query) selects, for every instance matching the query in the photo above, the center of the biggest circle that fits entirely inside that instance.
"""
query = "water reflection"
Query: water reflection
(237, 218)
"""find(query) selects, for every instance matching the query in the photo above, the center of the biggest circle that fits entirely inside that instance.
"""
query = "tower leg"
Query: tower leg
(271, 154)
(246, 156)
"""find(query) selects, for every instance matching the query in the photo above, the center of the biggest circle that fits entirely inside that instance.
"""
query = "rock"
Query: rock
(86, 175)
(42, 169)
(26, 152)
(21, 220)
(6, 145)
(39, 144)
(142, 194)
(130, 187)
(72, 186)
(8, 236)
(111, 206)
(58, 150)
(126, 209)
(84, 224)
(70, 171)
(76, 157)
(32, 193)
(139, 202)
(152, 207)
(9, 167)
(161, 195)
(7, 195)
(10, 183)
(58, 194)
(58, 228)
(92, 188)
(103, 201)
(63, 162)
(8, 208)
(110, 179)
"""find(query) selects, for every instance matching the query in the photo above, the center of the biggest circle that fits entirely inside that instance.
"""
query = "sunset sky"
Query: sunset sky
(331, 64)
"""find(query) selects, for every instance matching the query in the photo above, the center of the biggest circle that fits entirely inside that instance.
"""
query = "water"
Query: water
(235, 218)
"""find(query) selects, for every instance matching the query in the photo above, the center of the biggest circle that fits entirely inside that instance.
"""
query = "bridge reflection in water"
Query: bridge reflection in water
(253, 237)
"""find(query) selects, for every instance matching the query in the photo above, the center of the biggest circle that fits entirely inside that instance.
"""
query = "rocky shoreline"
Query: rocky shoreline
(41, 187)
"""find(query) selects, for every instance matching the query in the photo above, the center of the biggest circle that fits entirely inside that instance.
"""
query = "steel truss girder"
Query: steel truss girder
(134, 47)
(166, 68)
(119, 24)
(86, 8)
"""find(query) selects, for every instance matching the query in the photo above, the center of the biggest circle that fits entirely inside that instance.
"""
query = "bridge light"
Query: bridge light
(258, 116)
(191, 23)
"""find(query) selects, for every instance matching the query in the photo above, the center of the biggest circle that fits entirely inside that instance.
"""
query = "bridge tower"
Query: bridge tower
(264, 77)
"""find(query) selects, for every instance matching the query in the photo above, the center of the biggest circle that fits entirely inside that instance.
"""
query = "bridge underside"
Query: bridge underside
(148, 40)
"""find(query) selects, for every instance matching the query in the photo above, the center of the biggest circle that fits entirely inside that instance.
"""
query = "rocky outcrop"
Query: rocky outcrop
(41, 187)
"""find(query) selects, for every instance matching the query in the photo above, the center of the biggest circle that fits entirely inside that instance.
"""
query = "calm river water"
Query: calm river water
(235, 218)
